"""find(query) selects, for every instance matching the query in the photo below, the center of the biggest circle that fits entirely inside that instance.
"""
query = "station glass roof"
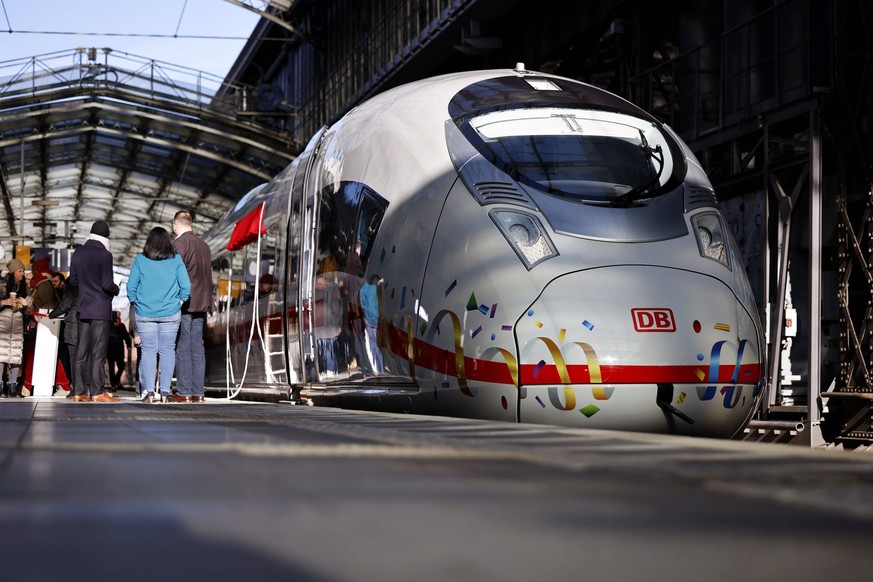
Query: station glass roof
(91, 134)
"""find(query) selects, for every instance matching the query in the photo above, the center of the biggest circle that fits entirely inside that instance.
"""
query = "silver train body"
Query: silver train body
(538, 250)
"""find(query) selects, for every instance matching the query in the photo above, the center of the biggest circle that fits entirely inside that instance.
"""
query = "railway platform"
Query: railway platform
(269, 491)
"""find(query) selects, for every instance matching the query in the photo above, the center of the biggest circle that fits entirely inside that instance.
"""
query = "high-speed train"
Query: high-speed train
(499, 244)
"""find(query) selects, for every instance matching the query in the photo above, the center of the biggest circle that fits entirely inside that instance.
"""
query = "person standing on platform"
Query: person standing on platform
(134, 336)
(190, 353)
(44, 296)
(158, 285)
(13, 307)
(91, 274)
(119, 339)
(69, 329)
(59, 282)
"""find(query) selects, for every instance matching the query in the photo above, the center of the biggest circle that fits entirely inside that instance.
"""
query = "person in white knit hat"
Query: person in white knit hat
(91, 275)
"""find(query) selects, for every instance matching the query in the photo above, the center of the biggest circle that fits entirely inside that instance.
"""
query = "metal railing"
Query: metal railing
(27, 78)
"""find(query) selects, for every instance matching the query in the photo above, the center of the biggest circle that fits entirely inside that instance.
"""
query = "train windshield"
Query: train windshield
(593, 156)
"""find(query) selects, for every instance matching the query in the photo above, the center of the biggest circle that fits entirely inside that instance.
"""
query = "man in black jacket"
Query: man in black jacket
(91, 274)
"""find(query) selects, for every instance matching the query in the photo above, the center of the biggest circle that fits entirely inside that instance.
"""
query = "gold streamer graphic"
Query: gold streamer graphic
(601, 393)
(459, 348)
(558, 358)
(410, 344)
(561, 365)
(594, 375)
(510, 360)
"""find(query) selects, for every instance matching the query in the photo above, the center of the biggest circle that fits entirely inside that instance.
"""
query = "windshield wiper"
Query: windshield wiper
(643, 191)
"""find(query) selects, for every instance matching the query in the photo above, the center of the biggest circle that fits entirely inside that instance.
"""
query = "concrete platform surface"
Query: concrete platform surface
(256, 491)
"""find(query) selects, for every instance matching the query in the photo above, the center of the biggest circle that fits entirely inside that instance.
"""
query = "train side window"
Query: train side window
(332, 241)
(370, 215)
(238, 265)
(221, 285)
(226, 274)
(260, 269)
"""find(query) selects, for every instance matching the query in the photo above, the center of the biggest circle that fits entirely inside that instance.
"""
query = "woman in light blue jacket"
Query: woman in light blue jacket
(158, 285)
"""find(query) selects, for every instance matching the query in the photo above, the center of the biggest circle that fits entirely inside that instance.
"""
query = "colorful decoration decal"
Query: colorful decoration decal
(496, 365)
(589, 410)
(569, 398)
(602, 392)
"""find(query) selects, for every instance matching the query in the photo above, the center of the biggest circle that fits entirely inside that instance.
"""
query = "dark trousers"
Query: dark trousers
(115, 358)
(72, 354)
(91, 353)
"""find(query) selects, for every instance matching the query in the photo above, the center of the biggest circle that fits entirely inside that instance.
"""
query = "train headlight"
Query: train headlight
(711, 241)
(526, 235)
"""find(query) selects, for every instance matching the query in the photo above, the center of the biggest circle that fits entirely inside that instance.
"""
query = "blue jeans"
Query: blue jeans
(190, 355)
(157, 338)
(374, 354)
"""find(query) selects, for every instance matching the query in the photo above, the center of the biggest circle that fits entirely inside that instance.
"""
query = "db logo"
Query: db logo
(652, 319)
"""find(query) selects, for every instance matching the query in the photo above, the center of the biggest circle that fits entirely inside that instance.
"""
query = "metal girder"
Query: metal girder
(272, 10)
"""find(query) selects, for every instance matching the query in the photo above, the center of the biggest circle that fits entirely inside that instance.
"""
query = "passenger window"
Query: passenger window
(260, 276)
(227, 289)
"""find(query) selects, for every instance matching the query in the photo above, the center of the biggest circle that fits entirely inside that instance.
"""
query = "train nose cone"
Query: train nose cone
(634, 324)
(639, 348)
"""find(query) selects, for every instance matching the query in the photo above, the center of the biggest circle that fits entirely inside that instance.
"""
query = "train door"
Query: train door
(301, 262)
(268, 301)
(257, 356)
(292, 284)
(348, 216)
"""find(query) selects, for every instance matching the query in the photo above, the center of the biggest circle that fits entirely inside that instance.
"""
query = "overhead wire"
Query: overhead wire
(147, 35)
(130, 34)
(6, 14)
(179, 24)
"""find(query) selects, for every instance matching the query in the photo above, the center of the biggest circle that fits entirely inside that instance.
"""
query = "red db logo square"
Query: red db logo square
(653, 319)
